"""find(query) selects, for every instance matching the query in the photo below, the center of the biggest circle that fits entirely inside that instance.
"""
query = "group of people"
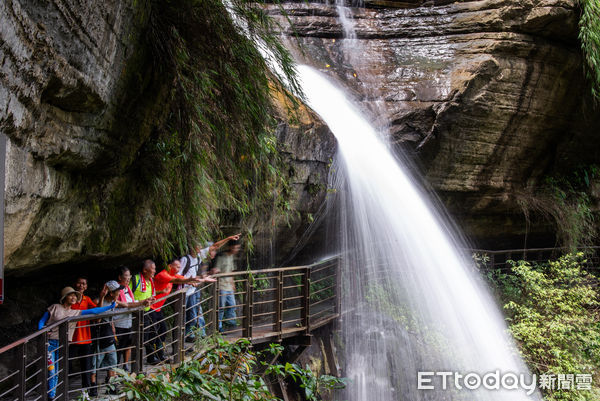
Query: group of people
(94, 344)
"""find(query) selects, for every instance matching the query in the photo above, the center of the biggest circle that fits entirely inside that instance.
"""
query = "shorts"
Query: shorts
(106, 358)
(124, 337)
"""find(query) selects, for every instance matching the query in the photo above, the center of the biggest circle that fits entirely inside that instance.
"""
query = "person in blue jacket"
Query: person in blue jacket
(55, 313)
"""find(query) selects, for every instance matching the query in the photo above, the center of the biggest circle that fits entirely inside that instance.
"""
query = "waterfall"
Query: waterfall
(412, 303)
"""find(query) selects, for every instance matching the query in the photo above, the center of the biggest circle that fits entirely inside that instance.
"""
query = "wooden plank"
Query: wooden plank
(330, 356)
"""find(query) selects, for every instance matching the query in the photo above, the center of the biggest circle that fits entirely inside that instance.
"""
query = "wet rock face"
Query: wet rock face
(61, 69)
(307, 147)
(76, 106)
(488, 96)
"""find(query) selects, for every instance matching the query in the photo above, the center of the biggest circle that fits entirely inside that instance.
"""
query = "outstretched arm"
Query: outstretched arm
(190, 280)
(219, 244)
(43, 320)
(135, 304)
(100, 309)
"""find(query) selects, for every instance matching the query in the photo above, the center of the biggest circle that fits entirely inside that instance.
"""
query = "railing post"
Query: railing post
(179, 331)
(248, 308)
(338, 286)
(22, 375)
(215, 313)
(44, 366)
(138, 341)
(279, 305)
(63, 364)
(493, 261)
(306, 300)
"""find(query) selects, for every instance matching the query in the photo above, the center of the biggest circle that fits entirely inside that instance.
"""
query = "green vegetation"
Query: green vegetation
(216, 149)
(225, 371)
(201, 95)
(589, 36)
(552, 311)
(565, 200)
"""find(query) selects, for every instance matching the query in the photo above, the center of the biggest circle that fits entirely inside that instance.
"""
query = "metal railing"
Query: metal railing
(498, 259)
(267, 305)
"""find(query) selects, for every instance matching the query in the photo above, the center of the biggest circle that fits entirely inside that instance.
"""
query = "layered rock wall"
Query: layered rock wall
(62, 82)
(78, 99)
(80, 95)
(488, 96)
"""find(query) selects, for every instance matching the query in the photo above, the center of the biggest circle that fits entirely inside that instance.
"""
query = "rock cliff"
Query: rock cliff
(488, 96)
(78, 100)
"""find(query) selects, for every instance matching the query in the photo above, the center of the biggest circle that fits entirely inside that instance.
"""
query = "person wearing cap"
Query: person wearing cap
(56, 313)
(106, 350)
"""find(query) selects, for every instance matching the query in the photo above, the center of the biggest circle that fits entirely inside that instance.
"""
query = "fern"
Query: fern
(589, 36)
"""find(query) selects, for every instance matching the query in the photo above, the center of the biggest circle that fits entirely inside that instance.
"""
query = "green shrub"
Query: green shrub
(552, 311)
(224, 371)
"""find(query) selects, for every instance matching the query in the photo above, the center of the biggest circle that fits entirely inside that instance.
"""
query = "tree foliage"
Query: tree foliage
(552, 311)
(214, 152)
(225, 371)
(589, 36)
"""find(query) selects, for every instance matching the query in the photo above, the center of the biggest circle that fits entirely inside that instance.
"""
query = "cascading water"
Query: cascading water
(411, 301)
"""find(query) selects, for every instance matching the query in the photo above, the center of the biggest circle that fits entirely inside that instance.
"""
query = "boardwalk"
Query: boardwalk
(272, 305)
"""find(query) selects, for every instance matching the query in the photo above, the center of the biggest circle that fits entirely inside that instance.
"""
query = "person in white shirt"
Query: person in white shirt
(191, 267)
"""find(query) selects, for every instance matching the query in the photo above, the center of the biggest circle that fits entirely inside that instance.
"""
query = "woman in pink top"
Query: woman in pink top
(124, 323)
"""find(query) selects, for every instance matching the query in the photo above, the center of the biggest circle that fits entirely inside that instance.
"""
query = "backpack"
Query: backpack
(188, 264)
(136, 283)
(186, 269)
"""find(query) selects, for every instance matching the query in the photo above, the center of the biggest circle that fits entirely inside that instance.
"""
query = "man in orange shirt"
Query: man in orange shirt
(163, 284)
(81, 346)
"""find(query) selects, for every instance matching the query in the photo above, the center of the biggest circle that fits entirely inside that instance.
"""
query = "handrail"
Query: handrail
(79, 318)
(498, 259)
(526, 250)
(282, 311)
(260, 271)
(171, 295)
(31, 336)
